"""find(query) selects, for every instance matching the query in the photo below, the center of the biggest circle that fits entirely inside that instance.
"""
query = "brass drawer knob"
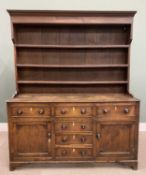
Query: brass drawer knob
(83, 153)
(126, 110)
(83, 126)
(83, 139)
(98, 135)
(41, 111)
(63, 111)
(64, 139)
(83, 111)
(19, 112)
(105, 111)
(64, 152)
(49, 135)
(64, 126)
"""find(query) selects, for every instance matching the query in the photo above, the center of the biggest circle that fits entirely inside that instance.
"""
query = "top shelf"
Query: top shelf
(70, 46)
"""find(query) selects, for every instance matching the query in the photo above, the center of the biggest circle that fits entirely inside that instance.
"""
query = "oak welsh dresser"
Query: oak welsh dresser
(72, 102)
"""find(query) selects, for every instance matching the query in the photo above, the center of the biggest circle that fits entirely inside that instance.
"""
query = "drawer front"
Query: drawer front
(116, 111)
(66, 111)
(30, 110)
(67, 139)
(74, 152)
(73, 126)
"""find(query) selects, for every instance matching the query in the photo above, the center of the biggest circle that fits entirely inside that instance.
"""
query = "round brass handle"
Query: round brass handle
(63, 126)
(105, 111)
(64, 153)
(83, 111)
(63, 111)
(83, 139)
(19, 112)
(49, 135)
(98, 135)
(41, 111)
(83, 126)
(83, 152)
(64, 139)
(126, 110)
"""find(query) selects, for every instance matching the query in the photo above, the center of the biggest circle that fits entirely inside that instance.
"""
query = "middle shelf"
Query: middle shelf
(71, 66)
(70, 46)
(71, 82)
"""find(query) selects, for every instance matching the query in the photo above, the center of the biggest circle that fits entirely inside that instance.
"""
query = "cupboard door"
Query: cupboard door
(116, 140)
(30, 140)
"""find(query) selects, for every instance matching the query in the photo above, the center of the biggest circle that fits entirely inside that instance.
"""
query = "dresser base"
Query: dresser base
(127, 163)
(102, 129)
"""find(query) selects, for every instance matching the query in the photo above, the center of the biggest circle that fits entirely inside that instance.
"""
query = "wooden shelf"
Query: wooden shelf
(72, 66)
(70, 46)
(71, 82)
(69, 57)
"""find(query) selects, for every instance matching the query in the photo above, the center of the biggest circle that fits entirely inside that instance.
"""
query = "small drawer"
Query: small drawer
(29, 110)
(72, 126)
(67, 139)
(75, 111)
(116, 111)
(74, 152)
(127, 110)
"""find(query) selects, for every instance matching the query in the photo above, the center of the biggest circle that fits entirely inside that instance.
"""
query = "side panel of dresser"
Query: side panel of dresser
(30, 132)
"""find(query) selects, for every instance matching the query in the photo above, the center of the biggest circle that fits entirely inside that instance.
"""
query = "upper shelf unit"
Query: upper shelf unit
(68, 51)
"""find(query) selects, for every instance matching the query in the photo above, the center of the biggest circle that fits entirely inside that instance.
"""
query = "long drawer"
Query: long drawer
(116, 111)
(80, 125)
(74, 153)
(29, 109)
(73, 110)
(67, 139)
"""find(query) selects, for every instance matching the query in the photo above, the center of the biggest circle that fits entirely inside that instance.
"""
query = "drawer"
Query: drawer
(66, 111)
(73, 126)
(116, 111)
(66, 139)
(74, 152)
(30, 110)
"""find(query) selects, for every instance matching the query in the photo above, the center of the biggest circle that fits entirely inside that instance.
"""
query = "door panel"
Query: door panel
(115, 139)
(31, 139)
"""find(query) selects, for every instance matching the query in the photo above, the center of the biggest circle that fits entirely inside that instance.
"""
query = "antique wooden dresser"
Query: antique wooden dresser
(72, 102)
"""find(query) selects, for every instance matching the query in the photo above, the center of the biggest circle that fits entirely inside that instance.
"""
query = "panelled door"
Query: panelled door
(116, 140)
(30, 139)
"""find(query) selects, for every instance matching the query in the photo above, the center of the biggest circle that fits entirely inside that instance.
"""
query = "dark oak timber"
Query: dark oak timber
(72, 102)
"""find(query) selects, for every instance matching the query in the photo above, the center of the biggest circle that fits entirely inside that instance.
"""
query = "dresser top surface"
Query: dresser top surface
(71, 97)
